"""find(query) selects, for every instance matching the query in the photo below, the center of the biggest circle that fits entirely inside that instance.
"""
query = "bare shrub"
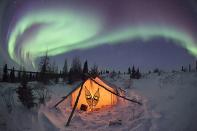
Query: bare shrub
(8, 99)
(42, 93)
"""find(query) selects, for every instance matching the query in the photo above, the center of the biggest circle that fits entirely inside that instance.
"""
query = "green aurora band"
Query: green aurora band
(62, 31)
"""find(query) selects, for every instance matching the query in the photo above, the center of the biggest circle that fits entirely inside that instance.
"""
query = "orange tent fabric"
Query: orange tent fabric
(94, 96)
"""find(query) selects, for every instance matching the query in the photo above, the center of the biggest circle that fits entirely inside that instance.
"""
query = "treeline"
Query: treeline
(189, 68)
(134, 73)
(12, 75)
(48, 71)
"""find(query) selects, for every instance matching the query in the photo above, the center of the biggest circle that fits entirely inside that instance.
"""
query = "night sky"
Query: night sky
(113, 34)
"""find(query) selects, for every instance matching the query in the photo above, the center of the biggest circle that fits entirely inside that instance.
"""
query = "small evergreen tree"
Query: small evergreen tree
(94, 71)
(12, 75)
(65, 69)
(85, 67)
(53, 66)
(19, 76)
(76, 65)
(189, 68)
(30, 76)
(133, 72)
(113, 74)
(33, 77)
(70, 76)
(85, 70)
(107, 72)
(44, 67)
(129, 71)
(119, 72)
(156, 70)
(183, 69)
(75, 72)
(37, 76)
(5, 73)
(53, 72)
(196, 65)
(56, 75)
(138, 74)
(25, 93)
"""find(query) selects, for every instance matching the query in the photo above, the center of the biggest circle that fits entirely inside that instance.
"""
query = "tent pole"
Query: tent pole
(59, 102)
(75, 105)
(63, 98)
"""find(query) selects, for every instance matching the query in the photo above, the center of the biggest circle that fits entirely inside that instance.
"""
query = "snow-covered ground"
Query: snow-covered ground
(169, 104)
(173, 97)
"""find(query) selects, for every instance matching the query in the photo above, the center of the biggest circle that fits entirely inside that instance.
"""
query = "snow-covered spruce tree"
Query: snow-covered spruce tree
(182, 68)
(113, 74)
(189, 68)
(119, 73)
(138, 74)
(19, 77)
(196, 65)
(44, 67)
(5, 73)
(133, 72)
(107, 71)
(129, 71)
(76, 65)
(94, 71)
(56, 74)
(30, 77)
(25, 93)
(19, 74)
(85, 69)
(12, 75)
(65, 70)
(75, 72)
(70, 76)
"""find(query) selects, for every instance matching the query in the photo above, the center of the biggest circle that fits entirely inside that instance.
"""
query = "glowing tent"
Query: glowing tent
(93, 96)
(93, 93)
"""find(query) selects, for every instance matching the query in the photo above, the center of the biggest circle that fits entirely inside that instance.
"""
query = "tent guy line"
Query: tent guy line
(131, 100)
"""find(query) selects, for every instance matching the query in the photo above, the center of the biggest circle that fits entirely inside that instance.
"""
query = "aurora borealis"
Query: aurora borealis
(34, 29)
(55, 33)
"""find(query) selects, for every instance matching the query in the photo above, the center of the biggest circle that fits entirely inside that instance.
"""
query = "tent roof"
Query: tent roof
(108, 83)
(73, 88)
(77, 85)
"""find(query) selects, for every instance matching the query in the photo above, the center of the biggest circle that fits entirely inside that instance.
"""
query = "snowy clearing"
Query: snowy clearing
(169, 104)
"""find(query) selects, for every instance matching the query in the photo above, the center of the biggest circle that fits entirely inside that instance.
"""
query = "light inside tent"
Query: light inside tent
(94, 96)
